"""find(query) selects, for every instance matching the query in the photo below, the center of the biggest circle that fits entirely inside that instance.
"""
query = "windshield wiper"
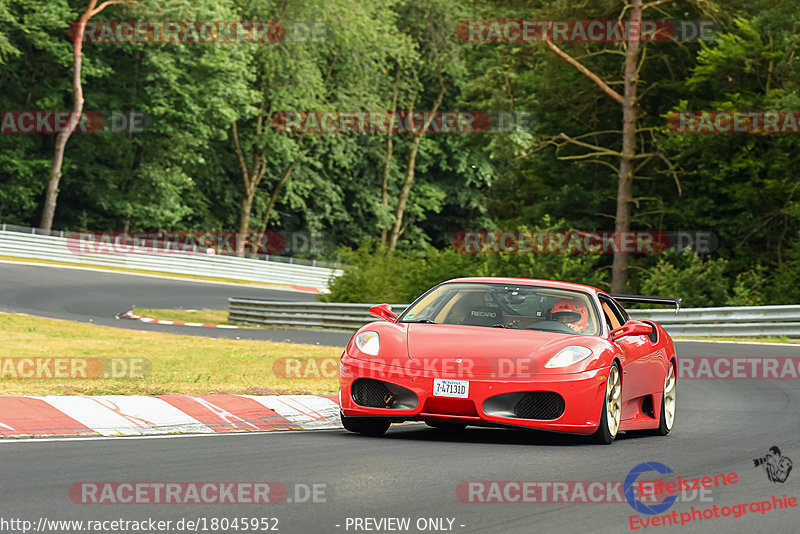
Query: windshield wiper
(500, 325)
(426, 321)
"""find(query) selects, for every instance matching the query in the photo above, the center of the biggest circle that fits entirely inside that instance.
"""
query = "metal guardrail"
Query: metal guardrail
(732, 321)
(335, 316)
(745, 321)
(268, 257)
(49, 247)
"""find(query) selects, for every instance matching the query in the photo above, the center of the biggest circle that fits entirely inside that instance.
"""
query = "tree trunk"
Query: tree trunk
(622, 223)
(250, 178)
(388, 162)
(622, 219)
(244, 219)
(274, 197)
(385, 185)
(51, 196)
(402, 200)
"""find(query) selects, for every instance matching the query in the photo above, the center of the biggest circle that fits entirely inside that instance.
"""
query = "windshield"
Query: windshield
(525, 307)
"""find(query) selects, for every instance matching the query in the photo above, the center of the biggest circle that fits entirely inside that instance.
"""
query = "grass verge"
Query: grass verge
(184, 316)
(178, 364)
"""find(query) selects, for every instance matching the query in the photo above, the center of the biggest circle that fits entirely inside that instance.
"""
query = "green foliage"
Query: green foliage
(371, 276)
(749, 288)
(400, 277)
(183, 173)
(698, 282)
(6, 48)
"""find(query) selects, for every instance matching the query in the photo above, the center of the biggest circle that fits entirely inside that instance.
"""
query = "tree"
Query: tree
(629, 153)
(77, 109)
(7, 49)
(166, 177)
(746, 187)
(429, 24)
(336, 72)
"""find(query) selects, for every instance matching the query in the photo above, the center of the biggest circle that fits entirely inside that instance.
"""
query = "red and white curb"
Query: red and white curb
(130, 415)
(130, 315)
(307, 289)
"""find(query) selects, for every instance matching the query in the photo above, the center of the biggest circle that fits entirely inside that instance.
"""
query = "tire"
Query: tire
(450, 427)
(611, 409)
(365, 425)
(666, 419)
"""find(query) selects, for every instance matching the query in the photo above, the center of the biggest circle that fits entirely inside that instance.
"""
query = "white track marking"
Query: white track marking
(308, 411)
(113, 415)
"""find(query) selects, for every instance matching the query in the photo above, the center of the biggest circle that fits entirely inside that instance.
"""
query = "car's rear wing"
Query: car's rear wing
(642, 299)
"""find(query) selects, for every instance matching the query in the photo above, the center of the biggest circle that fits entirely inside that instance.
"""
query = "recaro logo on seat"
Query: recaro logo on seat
(483, 314)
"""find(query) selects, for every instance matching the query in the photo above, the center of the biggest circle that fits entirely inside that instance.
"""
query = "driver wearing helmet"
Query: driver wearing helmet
(572, 313)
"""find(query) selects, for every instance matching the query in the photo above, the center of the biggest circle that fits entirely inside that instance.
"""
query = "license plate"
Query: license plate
(451, 388)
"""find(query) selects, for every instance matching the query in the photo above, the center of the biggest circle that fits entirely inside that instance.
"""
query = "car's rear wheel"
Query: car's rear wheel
(612, 408)
(365, 425)
(668, 402)
(450, 427)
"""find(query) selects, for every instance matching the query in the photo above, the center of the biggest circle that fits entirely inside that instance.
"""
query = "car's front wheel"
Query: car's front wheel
(612, 408)
(365, 425)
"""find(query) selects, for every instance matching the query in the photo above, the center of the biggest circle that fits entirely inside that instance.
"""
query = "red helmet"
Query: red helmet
(571, 312)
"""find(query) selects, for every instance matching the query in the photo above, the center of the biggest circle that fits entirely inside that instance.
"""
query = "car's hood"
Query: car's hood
(483, 350)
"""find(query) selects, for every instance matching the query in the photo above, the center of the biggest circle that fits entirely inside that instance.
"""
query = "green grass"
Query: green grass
(184, 316)
(178, 364)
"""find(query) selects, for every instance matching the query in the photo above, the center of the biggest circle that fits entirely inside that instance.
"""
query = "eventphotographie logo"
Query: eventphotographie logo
(777, 466)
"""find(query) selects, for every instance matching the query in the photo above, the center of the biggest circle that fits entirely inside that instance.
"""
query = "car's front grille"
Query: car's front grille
(371, 393)
(540, 405)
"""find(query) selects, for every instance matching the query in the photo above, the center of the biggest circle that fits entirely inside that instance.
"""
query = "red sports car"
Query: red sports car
(512, 352)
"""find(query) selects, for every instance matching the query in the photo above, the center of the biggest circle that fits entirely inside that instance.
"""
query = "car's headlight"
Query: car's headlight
(368, 342)
(568, 356)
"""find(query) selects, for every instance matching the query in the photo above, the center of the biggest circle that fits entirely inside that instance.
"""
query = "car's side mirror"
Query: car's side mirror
(383, 311)
(631, 328)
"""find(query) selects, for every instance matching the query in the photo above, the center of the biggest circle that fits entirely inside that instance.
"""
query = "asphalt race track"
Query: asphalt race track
(411, 472)
(96, 296)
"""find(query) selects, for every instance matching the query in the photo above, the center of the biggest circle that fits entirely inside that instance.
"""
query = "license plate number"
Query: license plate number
(451, 388)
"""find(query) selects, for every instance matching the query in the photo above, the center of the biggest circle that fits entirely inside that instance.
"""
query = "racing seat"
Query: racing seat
(483, 316)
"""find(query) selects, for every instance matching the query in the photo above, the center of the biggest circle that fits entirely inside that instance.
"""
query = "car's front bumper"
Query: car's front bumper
(490, 400)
